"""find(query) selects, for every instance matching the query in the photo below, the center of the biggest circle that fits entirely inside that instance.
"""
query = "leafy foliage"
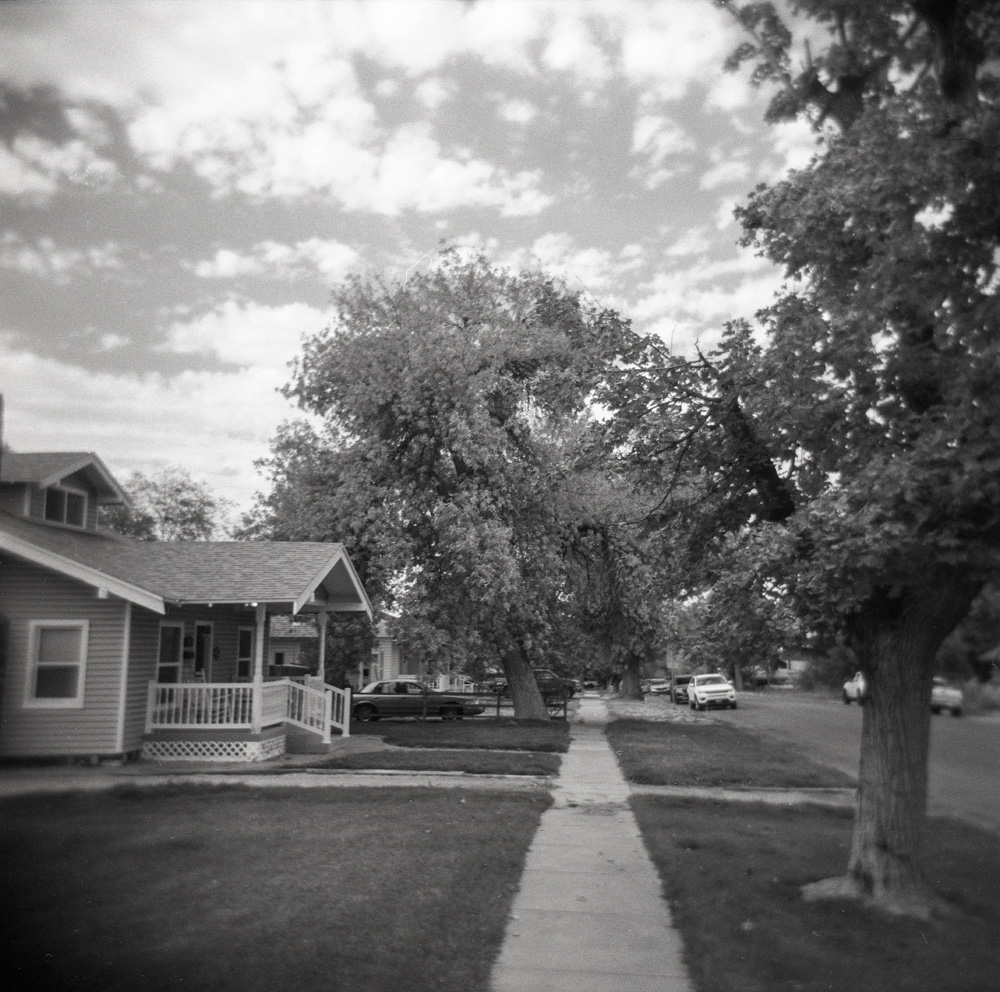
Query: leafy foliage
(168, 506)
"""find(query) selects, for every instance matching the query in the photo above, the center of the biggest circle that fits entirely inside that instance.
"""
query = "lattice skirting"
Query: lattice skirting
(205, 750)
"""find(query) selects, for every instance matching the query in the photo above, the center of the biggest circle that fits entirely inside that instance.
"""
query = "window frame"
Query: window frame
(179, 663)
(33, 701)
(66, 492)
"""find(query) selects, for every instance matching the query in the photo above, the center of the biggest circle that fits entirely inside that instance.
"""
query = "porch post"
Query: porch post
(321, 663)
(258, 671)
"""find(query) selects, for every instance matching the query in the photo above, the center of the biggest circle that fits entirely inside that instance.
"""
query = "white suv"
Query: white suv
(856, 689)
(710, 690)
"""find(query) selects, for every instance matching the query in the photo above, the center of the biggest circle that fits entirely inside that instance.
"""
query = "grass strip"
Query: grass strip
(733, 873)
(712, 754)
(231, 888)
(448, 760)
(505, 734)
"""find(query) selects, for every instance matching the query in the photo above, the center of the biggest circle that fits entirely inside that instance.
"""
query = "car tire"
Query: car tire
(957, 711)
(733, 704)
(451, 713)
(935, 710)
(847, 699)
(365, 714)
(691, 704)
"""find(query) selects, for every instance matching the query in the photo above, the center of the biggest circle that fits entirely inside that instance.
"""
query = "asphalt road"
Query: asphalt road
(964, 758)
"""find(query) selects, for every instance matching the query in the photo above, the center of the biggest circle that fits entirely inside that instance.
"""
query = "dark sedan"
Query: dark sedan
(401, 697)
(679, 689)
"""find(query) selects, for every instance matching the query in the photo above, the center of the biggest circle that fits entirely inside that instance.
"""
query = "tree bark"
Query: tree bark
(631, 687)
(895, 639)
(524, 692)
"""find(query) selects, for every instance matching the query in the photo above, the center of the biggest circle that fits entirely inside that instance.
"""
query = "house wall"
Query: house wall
(28, 592)
(226, 622)
(144, 644)
(12, 499)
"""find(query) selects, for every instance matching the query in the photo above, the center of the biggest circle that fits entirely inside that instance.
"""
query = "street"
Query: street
(964, 758)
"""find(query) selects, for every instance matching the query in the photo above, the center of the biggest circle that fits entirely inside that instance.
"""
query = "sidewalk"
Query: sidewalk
(589, 915)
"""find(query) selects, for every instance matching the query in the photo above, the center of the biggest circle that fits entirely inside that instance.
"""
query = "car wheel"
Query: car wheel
(957, 711)
(364, 714)
(733, 704)
(451, 713)
(847, 699)
(935, 710)
(691, 704)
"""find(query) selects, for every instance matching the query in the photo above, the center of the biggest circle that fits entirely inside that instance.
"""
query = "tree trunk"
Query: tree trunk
(631, 687)
(895, 640)
(524, 692)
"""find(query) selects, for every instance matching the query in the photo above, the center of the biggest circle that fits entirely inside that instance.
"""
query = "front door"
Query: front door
(168, 668)
(203, 651)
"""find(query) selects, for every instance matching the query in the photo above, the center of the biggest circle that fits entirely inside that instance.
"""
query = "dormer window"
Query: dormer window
(66, 506)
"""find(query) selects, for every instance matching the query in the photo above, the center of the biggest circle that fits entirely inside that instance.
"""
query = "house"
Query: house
(111, 647)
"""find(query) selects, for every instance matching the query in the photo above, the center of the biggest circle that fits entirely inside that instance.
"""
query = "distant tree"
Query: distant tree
(168, 506)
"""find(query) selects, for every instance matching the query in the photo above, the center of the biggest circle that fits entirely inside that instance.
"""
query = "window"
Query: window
(57, 663)
(244, 652)
(66, 506)
(168, 668)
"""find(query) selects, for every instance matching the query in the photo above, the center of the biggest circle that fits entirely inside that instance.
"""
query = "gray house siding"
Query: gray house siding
(27, 593)
(144, 642)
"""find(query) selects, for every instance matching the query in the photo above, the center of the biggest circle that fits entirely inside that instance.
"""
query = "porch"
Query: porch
(240, 721)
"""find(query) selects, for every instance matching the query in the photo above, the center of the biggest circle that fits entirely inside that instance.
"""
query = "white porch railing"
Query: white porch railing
(229, 706)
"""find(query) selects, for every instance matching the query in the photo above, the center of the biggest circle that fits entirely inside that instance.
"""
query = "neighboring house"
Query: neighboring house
(114, 647)
(387, 658)
(288, 638)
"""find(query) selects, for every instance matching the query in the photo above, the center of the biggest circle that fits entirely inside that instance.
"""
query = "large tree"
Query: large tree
(445, 402)
(850, 438)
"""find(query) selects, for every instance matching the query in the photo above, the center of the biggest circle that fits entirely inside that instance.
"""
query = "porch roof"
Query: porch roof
(156, 573)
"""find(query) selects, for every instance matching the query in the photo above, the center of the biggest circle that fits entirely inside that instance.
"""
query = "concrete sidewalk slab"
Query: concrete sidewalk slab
(589, 915)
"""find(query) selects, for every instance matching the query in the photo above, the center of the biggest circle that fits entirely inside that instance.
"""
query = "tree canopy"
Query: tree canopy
(452, 408)
(846, 442)
(168, 505)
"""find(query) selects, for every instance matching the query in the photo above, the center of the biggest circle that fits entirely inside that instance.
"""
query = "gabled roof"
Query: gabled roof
(49, 468)
(157, 573)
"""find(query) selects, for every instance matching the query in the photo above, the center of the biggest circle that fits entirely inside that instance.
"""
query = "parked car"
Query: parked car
(946, 697)
(679, 689)
(705, 691)
(402, 697)
(855, 689)
(659, 686)
(591, 684)
(550, 684)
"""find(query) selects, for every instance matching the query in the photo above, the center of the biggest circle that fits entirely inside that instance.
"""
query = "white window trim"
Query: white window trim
(75, 492)
(31, 701)
(159, 644)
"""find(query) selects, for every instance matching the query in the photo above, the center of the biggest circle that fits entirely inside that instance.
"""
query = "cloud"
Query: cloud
(725, 172)
(658, 139)
(691, 302)
(249, 335)
(518, 111)
(314, 256)
(33, 168)
(60, 265)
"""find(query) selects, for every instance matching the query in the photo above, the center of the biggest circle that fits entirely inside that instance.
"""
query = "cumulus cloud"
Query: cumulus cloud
(213, 424)
(33, 168)
(690, 302)
(246, 334)
(46, 260)
(313, 256)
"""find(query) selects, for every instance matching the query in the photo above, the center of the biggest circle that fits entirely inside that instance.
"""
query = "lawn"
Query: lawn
(712, 754)
(339, 890)
(733, 874)
(426, 759)
(504, 734)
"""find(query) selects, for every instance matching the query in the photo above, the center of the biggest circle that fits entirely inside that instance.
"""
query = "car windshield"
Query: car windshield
(682, 680)
(711, 680)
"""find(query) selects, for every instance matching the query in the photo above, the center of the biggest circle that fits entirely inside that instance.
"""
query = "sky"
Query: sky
(183, 183)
